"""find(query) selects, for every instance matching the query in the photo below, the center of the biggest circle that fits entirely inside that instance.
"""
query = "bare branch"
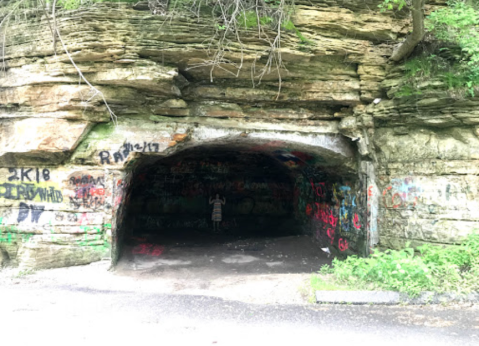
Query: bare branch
(82, 77)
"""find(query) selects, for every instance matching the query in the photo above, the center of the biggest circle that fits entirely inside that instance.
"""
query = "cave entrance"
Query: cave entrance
(172, 198)
(279, 209)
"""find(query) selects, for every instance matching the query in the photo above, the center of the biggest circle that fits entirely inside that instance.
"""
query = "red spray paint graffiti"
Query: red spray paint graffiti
(318, 188)
(343, 244)
(309, 209)
(356, 221)
(331, 235)
(148, 249)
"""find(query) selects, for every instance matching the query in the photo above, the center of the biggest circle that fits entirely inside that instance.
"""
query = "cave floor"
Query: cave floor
(253, 269)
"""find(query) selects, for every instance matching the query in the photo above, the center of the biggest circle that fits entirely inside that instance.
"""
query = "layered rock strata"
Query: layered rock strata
(64, 165)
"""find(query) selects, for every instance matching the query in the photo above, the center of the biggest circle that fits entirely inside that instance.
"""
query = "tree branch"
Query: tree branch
(418, 32)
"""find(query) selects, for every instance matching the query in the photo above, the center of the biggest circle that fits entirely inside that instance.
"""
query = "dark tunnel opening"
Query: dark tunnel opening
(281, 206)
(171, 198)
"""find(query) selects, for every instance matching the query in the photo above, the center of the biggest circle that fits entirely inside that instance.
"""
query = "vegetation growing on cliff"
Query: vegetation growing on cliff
(437, 269)
(449, 53)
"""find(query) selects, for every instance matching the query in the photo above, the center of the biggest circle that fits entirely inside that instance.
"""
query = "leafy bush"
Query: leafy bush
(436, 268)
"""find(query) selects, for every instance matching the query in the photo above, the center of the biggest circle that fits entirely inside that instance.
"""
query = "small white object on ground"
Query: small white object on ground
(326, 249)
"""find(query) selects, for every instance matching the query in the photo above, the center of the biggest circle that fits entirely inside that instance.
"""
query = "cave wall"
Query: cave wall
(333, 209)
(402, 169)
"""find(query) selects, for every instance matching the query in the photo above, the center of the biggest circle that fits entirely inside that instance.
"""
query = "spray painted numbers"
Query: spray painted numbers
(106, 157)
(29, 174)
(343, 244)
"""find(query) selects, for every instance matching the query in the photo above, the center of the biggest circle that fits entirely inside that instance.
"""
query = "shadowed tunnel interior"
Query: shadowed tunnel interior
(171, 197)
(279, 199)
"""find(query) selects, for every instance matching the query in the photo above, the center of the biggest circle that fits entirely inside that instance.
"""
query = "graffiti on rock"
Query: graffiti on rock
(25, 210)
(372, 209)
(346, 210)
(356, 221)
(93, 236)
(13, 236)
(29, 174)
(88, 192)
(70, 217)
(10, 234)
(401, 193)
(319, 188)
(343, 244)
(106, 157)
(333, 211)
(30, 192)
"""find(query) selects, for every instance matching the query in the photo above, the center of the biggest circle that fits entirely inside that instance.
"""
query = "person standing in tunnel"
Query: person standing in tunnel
(216, 215)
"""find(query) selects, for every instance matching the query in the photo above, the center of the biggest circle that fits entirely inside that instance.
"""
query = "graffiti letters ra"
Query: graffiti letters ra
(106, 157)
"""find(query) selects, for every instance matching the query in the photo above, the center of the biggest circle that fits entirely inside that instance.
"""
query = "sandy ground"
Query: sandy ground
(256, 270)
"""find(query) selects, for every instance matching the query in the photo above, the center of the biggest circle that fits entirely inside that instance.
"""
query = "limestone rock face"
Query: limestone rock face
(66, 160)
(38, 140)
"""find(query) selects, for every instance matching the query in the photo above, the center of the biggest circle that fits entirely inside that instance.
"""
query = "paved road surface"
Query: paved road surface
(34, 310)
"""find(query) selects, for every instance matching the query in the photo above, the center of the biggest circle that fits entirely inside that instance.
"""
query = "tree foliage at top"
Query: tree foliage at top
(453, 32)
(458, 24)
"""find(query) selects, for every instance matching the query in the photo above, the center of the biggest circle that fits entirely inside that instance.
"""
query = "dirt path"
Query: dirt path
(264, 271)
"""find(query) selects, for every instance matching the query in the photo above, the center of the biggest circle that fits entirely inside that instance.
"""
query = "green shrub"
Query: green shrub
(435, 268)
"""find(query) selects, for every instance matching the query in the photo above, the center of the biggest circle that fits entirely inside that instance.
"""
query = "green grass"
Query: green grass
(450, 50)
(457, 76)
(435, 268)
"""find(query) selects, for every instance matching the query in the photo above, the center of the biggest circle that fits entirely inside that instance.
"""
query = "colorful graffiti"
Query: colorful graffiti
(401, 193)
(88, 192)
(333, 211)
